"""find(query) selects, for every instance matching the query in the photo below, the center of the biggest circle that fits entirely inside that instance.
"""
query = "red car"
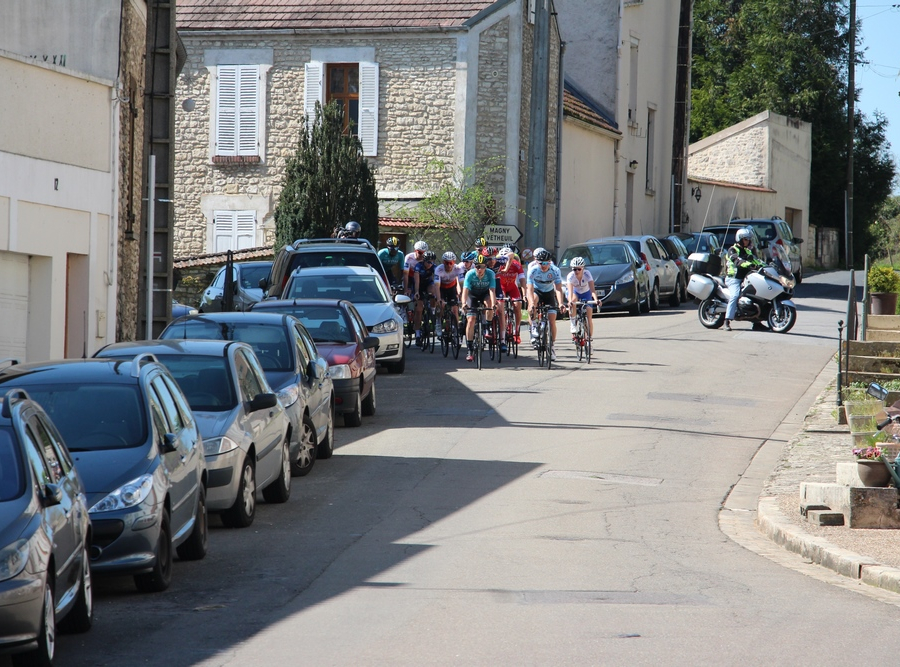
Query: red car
(343, 340)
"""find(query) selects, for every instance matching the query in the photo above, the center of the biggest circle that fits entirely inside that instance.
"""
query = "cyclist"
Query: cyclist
(350, 231)
(409, 264)
(468, 259)
(480, 243)
(479, 286)
(544, 284)
(512, 277)
(448, 276)
(580, 283)
(392, 260)
(424, 277)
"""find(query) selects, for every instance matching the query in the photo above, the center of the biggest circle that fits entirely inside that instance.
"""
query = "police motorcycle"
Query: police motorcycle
(765, 293)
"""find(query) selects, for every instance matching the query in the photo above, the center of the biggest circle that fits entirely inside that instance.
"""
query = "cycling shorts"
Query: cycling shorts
(583, 296)
(474, 301)
(548, 298)
(512, 291)
(449, 295)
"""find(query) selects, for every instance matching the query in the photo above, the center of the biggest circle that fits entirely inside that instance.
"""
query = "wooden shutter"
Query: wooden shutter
(223, 230)
(234, 230)
(368, 108)
(226, 110)
(248, 110)
(314, 90)
(245, 232)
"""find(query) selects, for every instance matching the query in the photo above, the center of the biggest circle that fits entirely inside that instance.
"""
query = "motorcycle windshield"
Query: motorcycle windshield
(780, 259)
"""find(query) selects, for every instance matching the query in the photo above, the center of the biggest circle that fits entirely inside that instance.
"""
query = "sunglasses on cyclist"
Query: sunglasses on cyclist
(545, 263)
(579, 269)
(480, 266)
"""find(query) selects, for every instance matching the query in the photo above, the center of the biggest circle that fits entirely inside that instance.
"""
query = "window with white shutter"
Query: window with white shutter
(355, 87)
(234, 230)
(237, 125)
(368, 108)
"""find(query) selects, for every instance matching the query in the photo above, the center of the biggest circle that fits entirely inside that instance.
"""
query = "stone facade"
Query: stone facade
(493, 96)
(741, 158)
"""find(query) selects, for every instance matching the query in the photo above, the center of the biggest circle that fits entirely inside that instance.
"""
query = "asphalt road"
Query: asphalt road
(517, 515)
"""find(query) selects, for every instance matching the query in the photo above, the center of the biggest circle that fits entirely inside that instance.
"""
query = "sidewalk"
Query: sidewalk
(805, 449)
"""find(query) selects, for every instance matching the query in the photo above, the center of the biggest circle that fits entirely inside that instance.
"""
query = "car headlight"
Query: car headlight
(388, 326)
(128, 495)
(13, 559)
(627, 279)
(214, 446)
(289, 395)
(339, 372)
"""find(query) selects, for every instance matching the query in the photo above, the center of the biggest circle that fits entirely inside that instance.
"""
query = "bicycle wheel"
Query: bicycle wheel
(455, 336)
(541, 350)
(426, 329)
(587, 350)
(545, 340)
(478, 341)
(579, 346)
(445, 336)
(498, 337)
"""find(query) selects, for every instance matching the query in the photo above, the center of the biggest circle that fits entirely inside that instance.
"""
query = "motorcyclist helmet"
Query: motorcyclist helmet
(542, 255)
(421, 246)
(743, 234)
(352, 229)
(392, 242)
(577, 263)
(449, 256)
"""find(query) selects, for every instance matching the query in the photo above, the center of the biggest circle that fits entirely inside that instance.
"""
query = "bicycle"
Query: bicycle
(406, 312)
(580, 330)
(428, 336)
(478, 340)
(451, 338)
(512, 346)
(492, 335)
(543, 334)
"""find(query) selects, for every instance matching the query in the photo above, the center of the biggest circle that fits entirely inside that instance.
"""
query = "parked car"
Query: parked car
(704, 243)
(620, 278)
(137, 448)
(293, 367)
(664, 274)
(726, 234)
(45, 537)
(314, 253)
(363, 287)
(180, 309)
(246, 433)
(775, 230)
(679, 254)
(343, 339)
(244, 284)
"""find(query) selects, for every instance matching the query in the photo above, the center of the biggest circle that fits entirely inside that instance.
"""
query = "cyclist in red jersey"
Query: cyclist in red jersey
(511, 277)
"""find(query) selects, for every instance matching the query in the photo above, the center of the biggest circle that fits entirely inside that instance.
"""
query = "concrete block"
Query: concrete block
(862, 507)
(825, 517)
(805, 509)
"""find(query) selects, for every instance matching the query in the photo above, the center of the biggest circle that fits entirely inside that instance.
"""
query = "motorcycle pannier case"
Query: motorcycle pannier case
(704, 262)
(701, 286)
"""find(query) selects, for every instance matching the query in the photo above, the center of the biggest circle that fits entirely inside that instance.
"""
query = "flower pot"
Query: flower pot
(862, 423)
(884, 303)
(872, 473)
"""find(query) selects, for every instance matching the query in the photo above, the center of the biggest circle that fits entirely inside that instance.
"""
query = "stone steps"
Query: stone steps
(882, 328)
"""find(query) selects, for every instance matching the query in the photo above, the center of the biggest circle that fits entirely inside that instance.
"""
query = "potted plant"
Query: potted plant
(884, 283)
(870, 468)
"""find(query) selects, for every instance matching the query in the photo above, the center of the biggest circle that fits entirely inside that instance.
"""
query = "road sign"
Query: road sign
(502, 234)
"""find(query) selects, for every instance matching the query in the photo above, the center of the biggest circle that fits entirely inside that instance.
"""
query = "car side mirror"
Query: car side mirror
(235, 287)
(263, 284)
(52, 495)
(314, 371)
(371, 343)
(796, 240)
(402, 299)
(169, 443)
(875, 390)
(763, 244)
(263, 402)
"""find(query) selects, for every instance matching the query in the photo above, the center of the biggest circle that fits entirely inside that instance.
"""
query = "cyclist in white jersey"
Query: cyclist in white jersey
(580, 283)
(544, 285)
(409, 264)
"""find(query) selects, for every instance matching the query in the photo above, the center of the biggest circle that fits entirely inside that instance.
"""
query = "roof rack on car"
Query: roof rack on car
(140, 360)
(13, 361)
(11, 396)
(362, 242)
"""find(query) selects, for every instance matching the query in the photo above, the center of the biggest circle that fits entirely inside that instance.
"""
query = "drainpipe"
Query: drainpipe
(559, 134)
(617, 153)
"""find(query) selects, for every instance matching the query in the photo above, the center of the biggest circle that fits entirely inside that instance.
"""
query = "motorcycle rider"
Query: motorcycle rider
(740, 261)
(350, 231)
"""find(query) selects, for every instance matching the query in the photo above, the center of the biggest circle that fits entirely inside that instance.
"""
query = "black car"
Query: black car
(620, 277)
(244, 285)
(725, 235)
(45, 537)
(137, 449)
(307, 253)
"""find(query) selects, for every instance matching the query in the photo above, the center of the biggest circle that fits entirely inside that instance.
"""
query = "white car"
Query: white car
(364, 288)
(665, 276)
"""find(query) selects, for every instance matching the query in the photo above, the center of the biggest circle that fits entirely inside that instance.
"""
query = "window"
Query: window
(247, 381)
(234, 230)
(303, 353)
(633, 83)
(651, 127)
(237, 111)
(173, 417)
(326, 81)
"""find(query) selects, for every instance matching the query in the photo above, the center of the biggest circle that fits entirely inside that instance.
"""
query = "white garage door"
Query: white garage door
(13, 305)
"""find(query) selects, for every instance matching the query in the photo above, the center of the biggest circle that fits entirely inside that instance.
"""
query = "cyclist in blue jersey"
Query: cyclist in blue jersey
(393, 260)
(424, 277)
(479, 286)
(544, 286)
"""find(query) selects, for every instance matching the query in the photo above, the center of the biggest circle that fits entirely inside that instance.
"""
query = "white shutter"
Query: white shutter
(248, 110)
(245, 234)
(223, 230)
(368, 108)
(226, 110)
(314, 90)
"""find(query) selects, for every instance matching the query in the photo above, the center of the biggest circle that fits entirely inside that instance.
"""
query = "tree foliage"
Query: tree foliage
(884, 232)
(791, 57)
(327, 183)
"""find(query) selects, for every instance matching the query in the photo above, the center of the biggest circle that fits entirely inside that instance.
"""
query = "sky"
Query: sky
(879, 78)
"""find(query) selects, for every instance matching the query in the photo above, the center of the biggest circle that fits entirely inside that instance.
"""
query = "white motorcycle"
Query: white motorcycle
(765, 293)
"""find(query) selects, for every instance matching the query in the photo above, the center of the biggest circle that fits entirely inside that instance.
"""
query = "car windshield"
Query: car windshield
(269, 341)
(205, 380)
(610, 254)
(94, 417)
(251, 275)
(326, 324)
(697, 244)
(573, 252)
(12, 478)
(352, 287)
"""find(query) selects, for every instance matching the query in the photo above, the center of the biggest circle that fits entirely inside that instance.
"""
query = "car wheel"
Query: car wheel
(194, 547)
(160, 577)
(397, 367)
(326, 447)
(81, 616)
(307, 456)
(684, 294)
(354, 417)
(653, 299)
(42, 656)
(279, 491)
(242, 512)
(675, 299)
(368, 405)
(645, 301)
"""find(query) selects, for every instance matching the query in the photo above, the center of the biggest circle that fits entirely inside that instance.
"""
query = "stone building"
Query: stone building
(424, 83)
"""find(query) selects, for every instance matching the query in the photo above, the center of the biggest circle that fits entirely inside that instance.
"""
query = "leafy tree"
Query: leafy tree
(327, 183)
(884, 233)
(790, 57)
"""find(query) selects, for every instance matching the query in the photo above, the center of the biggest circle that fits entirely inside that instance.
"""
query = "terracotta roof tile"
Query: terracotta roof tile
(324, 14)
(576, 106)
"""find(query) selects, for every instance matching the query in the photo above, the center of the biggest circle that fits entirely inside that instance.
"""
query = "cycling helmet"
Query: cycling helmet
(429, 256)
(469, 256)
(743, 234)
(420, 245)
(527, 254)
(392, 242)
(501, 259)
(481, 260)
(449, 256)
(480, 242)
(505, 252)
(577, 263)
(542, 255)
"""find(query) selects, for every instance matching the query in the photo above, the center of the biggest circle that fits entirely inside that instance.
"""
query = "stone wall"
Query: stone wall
(493, 96)
(131, 160)
(741, 158)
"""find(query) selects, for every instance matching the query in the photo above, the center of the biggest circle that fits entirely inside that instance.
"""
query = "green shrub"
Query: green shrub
(883, 279)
